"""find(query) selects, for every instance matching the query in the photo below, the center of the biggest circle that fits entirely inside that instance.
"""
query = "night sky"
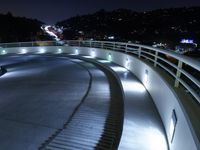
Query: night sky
(56, 10)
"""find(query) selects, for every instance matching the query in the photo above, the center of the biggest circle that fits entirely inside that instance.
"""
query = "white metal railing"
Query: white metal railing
(30, 44)
(183, 69)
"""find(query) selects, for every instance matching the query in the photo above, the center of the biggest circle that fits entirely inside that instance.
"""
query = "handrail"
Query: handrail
(142, 52)
(175, 64)
(33, 43)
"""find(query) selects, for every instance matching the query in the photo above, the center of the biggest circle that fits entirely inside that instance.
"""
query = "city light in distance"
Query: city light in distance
(111, 37)
(187, 41)
(53, 31)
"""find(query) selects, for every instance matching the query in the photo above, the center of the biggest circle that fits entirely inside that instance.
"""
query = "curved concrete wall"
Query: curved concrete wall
(164, 98)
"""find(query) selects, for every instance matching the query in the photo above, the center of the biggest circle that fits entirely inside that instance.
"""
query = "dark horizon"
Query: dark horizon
(91, 13)
(59, 10)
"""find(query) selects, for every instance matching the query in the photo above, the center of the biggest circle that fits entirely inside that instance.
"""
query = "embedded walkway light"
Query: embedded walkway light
(109, 57)
(3, 52)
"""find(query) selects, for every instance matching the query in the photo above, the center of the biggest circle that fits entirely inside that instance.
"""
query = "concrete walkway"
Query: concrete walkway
(37, 96)
(142, 127)
(97, 122)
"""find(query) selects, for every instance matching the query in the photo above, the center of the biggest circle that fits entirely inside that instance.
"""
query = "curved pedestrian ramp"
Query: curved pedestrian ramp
(97, 122)
(75, 103)
(97, 95)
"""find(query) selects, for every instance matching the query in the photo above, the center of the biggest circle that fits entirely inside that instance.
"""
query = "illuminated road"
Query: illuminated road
(52, 31)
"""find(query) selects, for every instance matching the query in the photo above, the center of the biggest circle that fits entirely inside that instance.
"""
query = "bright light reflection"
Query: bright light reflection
(142, 136)
(76, 60)
(3, 52)
(23, 51)
(133, 86)
(59, 51)
(21, 73)
(156, 140)
(93, 54)
(42, 51)
(118, 69)
(76, 52)
(104, 61)
(87, 56)
(109, 57)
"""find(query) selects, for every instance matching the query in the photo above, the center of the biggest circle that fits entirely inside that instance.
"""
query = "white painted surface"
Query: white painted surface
(164, 98)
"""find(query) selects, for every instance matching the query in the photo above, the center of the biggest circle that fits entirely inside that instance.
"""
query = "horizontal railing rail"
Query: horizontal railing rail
(30, 44)
(184, 70)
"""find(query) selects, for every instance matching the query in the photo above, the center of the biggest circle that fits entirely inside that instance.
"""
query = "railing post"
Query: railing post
(68, 43)
(102, 44)
(126, 48)
(139, 52)
(178, 73)
(90, 43)
(113, 46)
(156, 59)
(79, 43)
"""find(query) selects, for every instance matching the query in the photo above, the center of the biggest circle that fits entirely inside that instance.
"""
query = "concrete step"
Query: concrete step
(67, 147)
(92, 129)
(91, 139)
(86, 134)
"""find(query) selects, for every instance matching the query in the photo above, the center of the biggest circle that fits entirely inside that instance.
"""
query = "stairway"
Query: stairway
(97, 123)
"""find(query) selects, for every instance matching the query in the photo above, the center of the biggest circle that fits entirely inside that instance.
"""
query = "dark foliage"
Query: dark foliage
(18, 29)
(163, 25)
